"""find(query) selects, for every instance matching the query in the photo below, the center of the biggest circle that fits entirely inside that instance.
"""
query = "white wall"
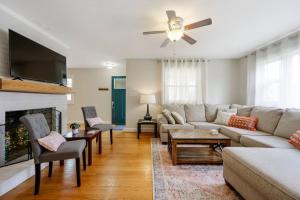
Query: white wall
(223, 81)
(85, 84)
(143, 77)
(13, 175)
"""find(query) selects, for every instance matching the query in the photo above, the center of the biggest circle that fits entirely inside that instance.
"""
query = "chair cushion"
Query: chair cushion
(271, 171)
(93, 121)
(67, 150)
(205, 125)
(102, 127)
(236, 133)
(52, 141)
(212, 109)
(289, 123)
(176, 108)
(167, 127)
(242, 110)
(195, 113)
(268, 118)
(269, 141)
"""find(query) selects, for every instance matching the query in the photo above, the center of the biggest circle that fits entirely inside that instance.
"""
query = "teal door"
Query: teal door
(118, 99)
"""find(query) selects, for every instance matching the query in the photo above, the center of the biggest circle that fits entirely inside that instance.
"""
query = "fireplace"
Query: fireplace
(16, 140)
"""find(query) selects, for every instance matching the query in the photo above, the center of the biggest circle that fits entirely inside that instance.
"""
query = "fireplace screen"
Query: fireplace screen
(15, 146)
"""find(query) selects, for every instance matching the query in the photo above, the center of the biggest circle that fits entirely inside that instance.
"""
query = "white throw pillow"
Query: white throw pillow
(93, 121)
(178, 118)
(168, 116)
(223, 117)
(52, 141)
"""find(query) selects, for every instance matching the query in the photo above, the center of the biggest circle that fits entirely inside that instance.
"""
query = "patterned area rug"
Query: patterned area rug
(186, 182)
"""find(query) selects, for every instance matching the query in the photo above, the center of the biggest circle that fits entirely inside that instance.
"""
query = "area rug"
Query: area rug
(186, 182)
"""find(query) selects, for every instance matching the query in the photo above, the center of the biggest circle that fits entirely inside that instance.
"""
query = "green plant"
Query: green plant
(74, 126)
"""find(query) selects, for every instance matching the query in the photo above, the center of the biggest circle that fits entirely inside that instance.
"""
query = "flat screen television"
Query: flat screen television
(30, 60)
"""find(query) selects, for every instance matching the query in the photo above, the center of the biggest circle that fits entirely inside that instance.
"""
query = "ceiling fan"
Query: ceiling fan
(176, 29)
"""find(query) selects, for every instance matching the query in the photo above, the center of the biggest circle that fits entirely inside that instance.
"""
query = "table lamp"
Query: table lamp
(147, 99)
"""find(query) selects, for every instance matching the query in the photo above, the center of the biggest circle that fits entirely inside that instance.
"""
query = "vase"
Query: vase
(75, 131)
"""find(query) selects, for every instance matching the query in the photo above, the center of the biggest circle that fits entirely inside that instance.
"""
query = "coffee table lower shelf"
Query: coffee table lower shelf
(198, 155)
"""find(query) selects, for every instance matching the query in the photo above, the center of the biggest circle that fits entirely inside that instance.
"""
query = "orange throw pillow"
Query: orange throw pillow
(248, 123)
(295, 140)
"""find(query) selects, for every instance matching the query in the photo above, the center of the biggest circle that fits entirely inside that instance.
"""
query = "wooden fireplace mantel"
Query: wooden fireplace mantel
(8, 85)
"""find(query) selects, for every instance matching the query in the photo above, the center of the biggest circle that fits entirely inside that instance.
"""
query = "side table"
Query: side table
(146, 122)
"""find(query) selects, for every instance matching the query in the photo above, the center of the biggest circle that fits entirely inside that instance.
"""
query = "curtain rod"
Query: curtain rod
(274, 41)
(184, 60)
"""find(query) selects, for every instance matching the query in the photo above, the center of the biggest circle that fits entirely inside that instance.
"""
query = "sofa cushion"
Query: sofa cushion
(167, 127)
(289, 123)
(236, 133)
(223, 117)
(178, 118)
(242, 110)
(205, 125)
(195, 113)
(268, 118)
(176, 108)
(272, 172)
(212, 109)
(269, 141)
(167, 114)
(247, 123)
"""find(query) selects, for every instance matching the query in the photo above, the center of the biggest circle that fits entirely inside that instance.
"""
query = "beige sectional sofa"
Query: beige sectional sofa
(267, 170)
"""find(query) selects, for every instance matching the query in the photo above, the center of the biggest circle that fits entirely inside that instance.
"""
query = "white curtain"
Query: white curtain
(181, 81)
(277, 81)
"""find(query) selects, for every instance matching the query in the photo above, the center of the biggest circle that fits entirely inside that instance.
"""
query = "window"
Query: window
(182, 82)
(277, 81)
(70, 97)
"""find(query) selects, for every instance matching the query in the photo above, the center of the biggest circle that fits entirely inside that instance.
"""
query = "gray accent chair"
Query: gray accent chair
(90, 112)
(37, 127)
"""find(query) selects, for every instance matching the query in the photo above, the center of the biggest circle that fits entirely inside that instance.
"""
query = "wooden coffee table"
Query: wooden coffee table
(196, 146)
(88, 136)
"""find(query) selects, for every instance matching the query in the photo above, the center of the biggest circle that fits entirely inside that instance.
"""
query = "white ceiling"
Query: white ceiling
(98, 30)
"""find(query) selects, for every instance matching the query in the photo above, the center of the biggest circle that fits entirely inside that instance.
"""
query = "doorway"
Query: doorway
(118, 99)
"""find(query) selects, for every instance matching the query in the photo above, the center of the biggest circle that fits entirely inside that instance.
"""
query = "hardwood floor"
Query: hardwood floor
(123, 171)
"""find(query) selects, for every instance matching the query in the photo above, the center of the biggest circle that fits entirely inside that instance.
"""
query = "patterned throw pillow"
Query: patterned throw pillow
(52, 141)
(178, 118)
(248, 123)
(93, 121)
(168, 116)
(295, 140)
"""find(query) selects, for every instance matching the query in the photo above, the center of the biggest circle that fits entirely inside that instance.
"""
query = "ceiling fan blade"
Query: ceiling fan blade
(152, 32)
(171, 15)
(198, 24)
(165, 43)
(188, 39)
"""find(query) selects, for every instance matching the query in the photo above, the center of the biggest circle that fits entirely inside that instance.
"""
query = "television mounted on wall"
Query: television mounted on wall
(33, 61)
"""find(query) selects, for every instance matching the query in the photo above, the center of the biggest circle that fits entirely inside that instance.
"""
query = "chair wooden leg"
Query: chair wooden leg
(111, 136)
(84, 159)
(37, 178)
(97, 138)
(78, 171)
(50, 169)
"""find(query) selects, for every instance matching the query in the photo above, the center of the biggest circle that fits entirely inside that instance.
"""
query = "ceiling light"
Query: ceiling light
(175, 34)
(109, 64)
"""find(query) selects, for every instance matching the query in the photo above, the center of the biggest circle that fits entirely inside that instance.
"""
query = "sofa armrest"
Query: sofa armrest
(161, 119)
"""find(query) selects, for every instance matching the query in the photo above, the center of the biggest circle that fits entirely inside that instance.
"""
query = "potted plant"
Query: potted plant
(74, 126)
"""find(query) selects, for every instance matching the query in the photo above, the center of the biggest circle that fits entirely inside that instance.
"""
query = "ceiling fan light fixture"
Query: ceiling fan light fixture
(175, 35)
